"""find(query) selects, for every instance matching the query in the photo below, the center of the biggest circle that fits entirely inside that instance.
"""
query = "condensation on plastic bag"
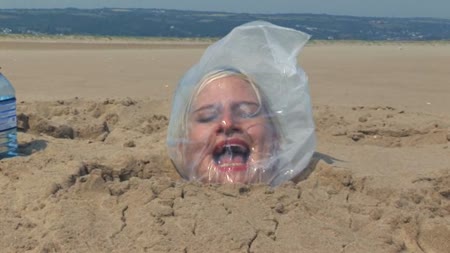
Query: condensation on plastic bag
(267, 55)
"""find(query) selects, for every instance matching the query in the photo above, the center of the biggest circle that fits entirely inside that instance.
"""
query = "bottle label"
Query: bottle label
(8, 118)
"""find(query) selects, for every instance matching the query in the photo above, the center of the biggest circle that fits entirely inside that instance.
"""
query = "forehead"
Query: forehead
(226, 89)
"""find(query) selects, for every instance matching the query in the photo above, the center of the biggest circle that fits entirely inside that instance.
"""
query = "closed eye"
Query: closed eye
(247, 109)
(206, 114)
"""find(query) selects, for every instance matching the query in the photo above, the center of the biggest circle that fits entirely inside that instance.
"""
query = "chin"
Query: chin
(230, 174)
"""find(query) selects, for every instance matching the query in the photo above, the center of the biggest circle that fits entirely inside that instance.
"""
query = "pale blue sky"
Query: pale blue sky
(380, 8)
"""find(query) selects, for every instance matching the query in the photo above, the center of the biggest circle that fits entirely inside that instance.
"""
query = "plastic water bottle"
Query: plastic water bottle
(8, 121)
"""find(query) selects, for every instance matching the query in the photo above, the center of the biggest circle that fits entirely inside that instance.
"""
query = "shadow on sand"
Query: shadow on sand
(28, 148)
(317, 157)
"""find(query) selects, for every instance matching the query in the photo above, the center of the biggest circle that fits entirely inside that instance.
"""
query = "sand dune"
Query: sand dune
(94, 176)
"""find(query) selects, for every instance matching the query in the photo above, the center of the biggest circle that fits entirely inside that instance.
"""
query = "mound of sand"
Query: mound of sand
(93, 176)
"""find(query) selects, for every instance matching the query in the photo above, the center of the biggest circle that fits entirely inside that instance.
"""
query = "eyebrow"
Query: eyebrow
(205, 107)
(248, 103)
(234, 105)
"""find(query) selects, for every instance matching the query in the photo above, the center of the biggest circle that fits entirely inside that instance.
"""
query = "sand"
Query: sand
(94, 176)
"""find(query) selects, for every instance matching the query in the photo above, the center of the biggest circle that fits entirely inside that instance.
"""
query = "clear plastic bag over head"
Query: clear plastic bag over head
(243, 114)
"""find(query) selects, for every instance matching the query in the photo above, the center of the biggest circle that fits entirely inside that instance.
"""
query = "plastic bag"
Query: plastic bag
(243, 114)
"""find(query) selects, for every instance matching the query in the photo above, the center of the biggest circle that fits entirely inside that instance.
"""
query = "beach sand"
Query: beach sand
(94, 176)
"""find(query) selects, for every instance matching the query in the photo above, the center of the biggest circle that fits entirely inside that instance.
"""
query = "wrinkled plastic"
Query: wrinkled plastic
(216, 143)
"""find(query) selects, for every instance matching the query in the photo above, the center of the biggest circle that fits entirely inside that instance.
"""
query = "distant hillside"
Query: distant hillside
(172, 23)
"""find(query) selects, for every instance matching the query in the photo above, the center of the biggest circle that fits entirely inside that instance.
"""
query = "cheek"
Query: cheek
(199, 133)
(198, 140)
(261, 135)
(195, 152)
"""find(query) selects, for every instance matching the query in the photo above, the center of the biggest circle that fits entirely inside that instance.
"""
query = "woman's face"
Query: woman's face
(230, 135)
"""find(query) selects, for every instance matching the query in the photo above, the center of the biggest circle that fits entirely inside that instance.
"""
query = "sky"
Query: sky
(374, 8)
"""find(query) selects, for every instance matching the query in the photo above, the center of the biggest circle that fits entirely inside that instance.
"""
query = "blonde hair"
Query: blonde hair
(221, 74)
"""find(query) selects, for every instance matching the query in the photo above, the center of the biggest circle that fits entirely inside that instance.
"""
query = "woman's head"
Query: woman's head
(251, 123)
(231, 135)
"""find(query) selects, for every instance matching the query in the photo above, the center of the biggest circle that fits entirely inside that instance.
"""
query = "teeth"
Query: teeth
(235, 149)
(229, 164)
(232, 151)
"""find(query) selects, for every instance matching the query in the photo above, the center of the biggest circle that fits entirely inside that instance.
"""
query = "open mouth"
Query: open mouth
(231, 155)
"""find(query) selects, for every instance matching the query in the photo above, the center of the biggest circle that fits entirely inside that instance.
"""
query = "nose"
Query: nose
(228, 125)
